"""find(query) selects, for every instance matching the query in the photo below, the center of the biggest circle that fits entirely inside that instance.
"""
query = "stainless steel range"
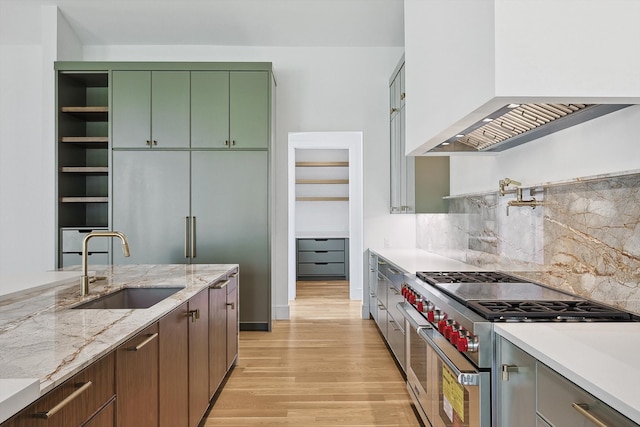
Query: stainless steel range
(449, 317)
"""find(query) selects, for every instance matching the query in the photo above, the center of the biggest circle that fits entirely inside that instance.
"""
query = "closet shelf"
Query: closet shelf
(322, 181)
(321, 164)
(86, 141)
(322, 199)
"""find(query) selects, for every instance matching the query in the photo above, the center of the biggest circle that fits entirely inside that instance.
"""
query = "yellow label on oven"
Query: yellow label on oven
(453, 392)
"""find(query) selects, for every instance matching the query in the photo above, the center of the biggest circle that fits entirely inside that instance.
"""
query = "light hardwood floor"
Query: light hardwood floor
(324, 367)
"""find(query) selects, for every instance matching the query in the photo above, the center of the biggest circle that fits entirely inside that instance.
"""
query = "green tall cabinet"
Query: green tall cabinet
(189, 168)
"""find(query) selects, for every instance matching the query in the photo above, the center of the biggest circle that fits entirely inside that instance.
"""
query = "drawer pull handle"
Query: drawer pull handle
(232, 275)
(322, 252)
(392, 271)
(232, 305)
(143, 343)
(322, 263)
(81, 388)
(321, 240)
(394, 290)
(394, 325)
(583, 409)
(220, 285)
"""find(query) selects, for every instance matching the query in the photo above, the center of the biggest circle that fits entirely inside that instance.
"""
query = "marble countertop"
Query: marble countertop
(20, 282)
(41, 337)
(413, 260)
(602, 358)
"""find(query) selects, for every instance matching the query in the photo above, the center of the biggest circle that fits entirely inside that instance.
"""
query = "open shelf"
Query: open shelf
(88, 113)
(84, 199)
(85, 169)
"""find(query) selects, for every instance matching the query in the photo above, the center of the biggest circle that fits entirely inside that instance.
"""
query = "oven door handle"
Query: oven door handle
(413, 317)
(464, 377)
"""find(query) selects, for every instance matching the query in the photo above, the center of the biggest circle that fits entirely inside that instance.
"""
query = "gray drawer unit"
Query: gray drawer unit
(322, 259)
(321, 244)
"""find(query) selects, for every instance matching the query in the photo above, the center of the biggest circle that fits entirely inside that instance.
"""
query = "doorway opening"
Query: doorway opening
(325, 210)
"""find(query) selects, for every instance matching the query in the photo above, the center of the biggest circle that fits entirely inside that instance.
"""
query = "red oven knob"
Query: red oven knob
(435, 316)
(455, 335)
(419, 305)
(448, 328)
(412, 298)
(468, 343)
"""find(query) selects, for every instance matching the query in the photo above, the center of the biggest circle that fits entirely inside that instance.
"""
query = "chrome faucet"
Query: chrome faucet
(85, 276)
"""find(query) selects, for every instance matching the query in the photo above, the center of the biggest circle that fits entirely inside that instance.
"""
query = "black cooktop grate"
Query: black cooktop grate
(552, 310)
(435, 277)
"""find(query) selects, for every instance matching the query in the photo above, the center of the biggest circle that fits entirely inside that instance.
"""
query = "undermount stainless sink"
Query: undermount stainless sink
(129, 298)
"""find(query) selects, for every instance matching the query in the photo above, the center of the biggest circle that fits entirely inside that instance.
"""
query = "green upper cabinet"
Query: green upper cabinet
(249, 109)
(151, 109)
(230, 109)
(209, 109)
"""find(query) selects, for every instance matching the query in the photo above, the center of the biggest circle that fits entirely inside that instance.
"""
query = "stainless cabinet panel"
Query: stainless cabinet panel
(150, 204)
(230, 204)
(515, 400)
(556, 395)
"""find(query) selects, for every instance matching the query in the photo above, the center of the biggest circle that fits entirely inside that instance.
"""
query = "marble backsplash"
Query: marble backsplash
(585, 239)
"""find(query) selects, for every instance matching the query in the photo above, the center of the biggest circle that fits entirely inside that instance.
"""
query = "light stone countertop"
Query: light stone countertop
(41, 337)
(601, 358)
(414, 260)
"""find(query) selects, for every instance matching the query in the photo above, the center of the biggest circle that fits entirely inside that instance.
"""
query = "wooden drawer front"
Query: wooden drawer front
(321, 256)
(556, 395)
(72, 240)
(321, 269)
(87, 401)
(320, 244)
(105, 418)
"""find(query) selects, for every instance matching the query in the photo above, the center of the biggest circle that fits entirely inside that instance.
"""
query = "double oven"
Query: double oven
(449, 346)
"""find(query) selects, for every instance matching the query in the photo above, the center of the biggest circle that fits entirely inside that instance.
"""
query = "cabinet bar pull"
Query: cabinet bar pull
(186, 237)
(232, 304)
(583, 408)
(392, 271)
(193, 314)
(143, 343)
(394, 325)
(220, 285)
(233, 274)
(506, 369)
(394, 290)
(193, 237)
(64, 402)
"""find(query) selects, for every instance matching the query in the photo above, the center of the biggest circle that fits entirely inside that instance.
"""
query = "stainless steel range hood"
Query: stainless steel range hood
(515, 124)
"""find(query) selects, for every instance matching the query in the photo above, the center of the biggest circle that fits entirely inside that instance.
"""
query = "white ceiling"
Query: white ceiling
(221, 22)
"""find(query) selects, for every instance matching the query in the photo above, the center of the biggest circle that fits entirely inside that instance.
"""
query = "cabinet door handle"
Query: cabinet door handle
(394, 290)
(226, 143)
(232, 304)
(233, 142)
(148, 142)
(233, 274)
(583, 409)
(143, 343)
(155, 142)
(394, 325)
(186, 237)
(51, 412)
(220, 285)
(193, 237)
(506, 369)
(193, 314)
(392, 271)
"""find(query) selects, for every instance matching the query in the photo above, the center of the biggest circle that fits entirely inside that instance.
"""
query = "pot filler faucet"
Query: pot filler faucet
(85, 276)
(532, 202)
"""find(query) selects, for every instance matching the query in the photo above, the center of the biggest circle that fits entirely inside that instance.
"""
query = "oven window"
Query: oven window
(418, 358)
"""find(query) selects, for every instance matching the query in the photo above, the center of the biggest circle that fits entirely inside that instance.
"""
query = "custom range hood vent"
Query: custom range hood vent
(515, 124)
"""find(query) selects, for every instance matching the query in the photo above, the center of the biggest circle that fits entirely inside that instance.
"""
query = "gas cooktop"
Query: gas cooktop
(500, 297)
(435, 277)
(577, 311)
